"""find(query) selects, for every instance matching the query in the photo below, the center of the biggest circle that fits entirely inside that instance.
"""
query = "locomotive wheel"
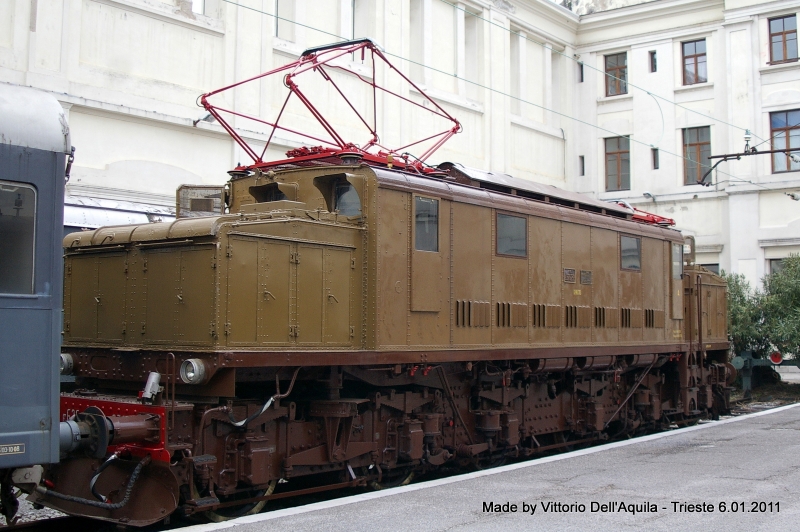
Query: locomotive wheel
(232, 512)
(393, 479)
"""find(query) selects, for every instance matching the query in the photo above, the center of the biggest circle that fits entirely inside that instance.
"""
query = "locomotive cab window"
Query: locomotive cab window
(512, 235)
(267, 193)
(345, 199)
(677, 261)
(630, 253)
(18, 230)
(426, 224)
(339, 193)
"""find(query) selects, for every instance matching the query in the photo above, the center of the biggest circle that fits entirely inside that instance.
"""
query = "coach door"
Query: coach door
(95, 305)
(309, 311)
(337, 270)
(258, 292)
(274, 301)
(323, 295)
(288, 293)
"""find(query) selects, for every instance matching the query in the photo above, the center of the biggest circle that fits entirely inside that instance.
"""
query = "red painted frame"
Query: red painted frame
(158, 451)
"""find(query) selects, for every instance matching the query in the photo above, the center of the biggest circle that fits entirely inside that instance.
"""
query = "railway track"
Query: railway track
(56, 524)
(47, 524)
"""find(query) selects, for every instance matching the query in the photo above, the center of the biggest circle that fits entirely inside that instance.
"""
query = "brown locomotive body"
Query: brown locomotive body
(415, 322)
(358, 318)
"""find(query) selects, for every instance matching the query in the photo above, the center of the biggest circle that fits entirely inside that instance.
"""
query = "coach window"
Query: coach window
(630, 253)
(512, 235)
(346, 199)
(426, 224)
(17, 227)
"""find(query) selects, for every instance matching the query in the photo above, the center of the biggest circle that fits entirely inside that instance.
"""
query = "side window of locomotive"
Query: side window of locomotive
(426, 224)
(346, 200)
(512, 235)
(630, 253)
(266, 193)
(677, 261)
(18, 230)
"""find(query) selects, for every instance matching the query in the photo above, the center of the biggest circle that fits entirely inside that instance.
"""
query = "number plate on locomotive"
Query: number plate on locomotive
(12, 448)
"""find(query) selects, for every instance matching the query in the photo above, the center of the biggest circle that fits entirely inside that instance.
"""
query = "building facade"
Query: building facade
(623, 104)
(698, 77)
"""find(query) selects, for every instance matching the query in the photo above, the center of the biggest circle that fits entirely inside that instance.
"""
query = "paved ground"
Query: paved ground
(789, 373)
(748, 460)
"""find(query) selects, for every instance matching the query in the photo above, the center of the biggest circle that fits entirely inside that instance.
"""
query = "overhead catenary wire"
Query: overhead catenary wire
(497, 91)
(604, 73)
(789, 148)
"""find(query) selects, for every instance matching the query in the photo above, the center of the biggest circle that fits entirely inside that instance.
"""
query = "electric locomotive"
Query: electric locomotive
(348, 318)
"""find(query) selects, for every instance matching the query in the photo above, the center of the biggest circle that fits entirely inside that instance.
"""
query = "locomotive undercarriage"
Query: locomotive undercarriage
(300, 430)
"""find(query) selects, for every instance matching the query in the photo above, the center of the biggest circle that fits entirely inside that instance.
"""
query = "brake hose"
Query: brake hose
(105, 505)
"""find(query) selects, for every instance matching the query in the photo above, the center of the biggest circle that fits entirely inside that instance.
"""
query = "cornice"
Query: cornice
(774, 242)
(546, 10)
(656, 9)
(649, 38)
(765, 9)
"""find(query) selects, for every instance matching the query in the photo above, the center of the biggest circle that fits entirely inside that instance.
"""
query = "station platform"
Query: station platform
(739, 473)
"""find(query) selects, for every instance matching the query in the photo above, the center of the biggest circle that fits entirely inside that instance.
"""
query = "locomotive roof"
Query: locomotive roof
(501, 191)
(497, 182)
(123, 234)
(567, 206)
(32, 119)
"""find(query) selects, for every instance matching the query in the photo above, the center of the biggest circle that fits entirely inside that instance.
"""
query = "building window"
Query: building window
(18, 227)
(630, 253)
(284, 19)
(517, 70)
(199, 6)
(713, 268)
(783, 39)
(471, 42)
(785, 134)
(696, 151)
(775, 265)
(581, 165)
(426, 224)
(618, 164)
(653, 61)
(580, 72)
(695, 69)
(654, 155)
(417, 40)
(362, 17)
(617, 74)
(512, 235)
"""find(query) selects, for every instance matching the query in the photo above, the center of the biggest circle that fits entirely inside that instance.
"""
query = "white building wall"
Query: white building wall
(745, 218)
(129, 73)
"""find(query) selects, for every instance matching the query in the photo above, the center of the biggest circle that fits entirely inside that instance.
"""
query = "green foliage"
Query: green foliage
(781, 306)
(745, 324)
(761, 320)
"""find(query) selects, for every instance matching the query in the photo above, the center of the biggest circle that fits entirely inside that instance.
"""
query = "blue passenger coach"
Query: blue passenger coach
(34, 147)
